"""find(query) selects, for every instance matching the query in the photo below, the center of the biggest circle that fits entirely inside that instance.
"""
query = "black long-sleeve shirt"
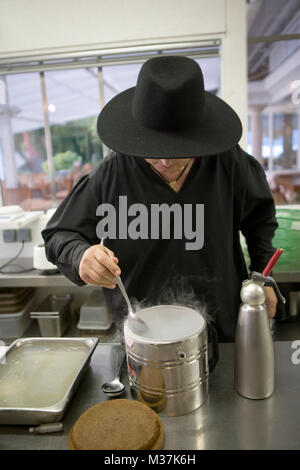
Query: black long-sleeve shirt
(234, 194)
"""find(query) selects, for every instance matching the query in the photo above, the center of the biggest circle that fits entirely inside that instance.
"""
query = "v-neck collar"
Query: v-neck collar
(146, 167)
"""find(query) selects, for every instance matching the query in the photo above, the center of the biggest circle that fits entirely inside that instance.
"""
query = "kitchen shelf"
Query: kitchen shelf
(36, 279)
(33, 278)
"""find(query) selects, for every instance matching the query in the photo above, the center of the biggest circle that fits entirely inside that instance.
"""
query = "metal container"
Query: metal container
(14, 325)
(53, 315)
(168, 363)
(254, 355)
(254, 352)
(27, 363)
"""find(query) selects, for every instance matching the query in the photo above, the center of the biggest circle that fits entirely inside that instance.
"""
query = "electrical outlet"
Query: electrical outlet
(24, 235)
(9, 236)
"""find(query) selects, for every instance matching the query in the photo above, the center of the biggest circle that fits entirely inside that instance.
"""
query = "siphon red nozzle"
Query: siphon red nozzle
(275, 257)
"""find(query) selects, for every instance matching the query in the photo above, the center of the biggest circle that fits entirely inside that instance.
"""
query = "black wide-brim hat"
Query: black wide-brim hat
(169, 114)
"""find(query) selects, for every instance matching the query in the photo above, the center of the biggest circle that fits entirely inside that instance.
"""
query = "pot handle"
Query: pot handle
(213, 341)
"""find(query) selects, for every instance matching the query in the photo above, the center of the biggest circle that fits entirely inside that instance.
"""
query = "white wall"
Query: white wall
(234, 74)
(33, 26)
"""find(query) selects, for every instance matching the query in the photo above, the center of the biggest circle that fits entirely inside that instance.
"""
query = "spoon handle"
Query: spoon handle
(122, 288)
(120, 356)
(138, 324)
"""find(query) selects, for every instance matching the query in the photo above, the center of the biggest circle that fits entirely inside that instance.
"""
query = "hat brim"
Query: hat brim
(219, 131)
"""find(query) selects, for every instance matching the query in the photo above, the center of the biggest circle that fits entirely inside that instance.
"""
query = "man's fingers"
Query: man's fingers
(271, 308)
(99, 267)
(91, 279)
(108, 252)
(104, 259)
(100, 271)
(271, 301)
(93, 268)
(103, 276)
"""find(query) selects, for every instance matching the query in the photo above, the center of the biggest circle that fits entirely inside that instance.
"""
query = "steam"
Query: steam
(181, 293)
(178, 291)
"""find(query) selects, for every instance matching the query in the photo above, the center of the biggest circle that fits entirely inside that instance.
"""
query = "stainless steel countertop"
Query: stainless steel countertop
(226, 420)
(34, 278)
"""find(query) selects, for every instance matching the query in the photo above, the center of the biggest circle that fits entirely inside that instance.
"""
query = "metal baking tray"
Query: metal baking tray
(39, 376)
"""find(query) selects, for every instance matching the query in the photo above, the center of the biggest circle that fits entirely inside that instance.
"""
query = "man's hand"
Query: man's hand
(271, 301)
(98, 266)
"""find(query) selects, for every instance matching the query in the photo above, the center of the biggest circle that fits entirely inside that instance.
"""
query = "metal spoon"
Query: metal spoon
(137, 324)
(115, 387)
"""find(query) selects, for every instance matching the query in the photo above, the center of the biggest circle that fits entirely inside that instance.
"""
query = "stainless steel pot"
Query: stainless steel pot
(168, 364)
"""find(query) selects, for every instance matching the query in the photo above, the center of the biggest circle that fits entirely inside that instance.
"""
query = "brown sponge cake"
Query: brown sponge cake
(118, 424)
(158, 444)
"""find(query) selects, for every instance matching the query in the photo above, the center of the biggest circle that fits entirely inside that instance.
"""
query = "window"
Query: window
(249, 146)
(285, 141)
(49, 137)
(280, 153)
(22, 160)
(266, 149)
(73, 104)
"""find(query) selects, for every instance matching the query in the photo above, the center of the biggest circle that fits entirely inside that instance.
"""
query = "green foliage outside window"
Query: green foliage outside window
(77, 137)
(63, 161)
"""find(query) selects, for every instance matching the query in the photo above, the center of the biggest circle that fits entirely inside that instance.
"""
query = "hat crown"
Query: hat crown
(169, 94)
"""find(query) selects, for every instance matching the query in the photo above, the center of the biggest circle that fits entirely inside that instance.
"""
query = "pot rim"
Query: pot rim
(129, 334)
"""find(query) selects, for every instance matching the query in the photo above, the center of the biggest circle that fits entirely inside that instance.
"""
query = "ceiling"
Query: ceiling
(270, 18)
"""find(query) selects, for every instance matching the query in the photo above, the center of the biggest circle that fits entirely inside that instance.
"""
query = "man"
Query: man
(169, 201)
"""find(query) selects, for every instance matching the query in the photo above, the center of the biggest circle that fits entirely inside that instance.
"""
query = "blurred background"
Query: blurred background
(50, 102)
(61, 62)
